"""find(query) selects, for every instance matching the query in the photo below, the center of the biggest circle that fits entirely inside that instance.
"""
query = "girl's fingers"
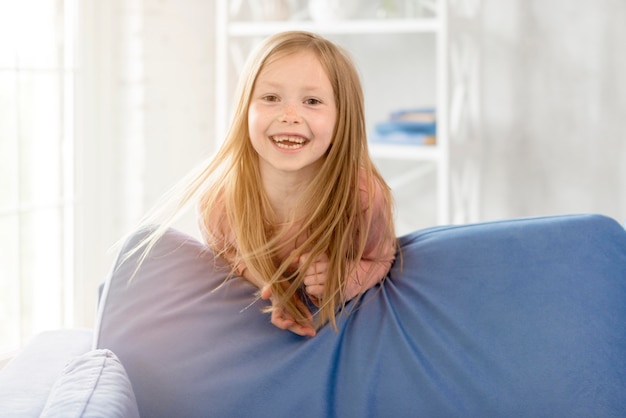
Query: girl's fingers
(282, 320)
(316, 274)
(302, 330)
(266, 292)
(314, 279)
(315, 290)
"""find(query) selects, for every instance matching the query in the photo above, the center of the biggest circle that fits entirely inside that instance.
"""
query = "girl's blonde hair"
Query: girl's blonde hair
(331, 215)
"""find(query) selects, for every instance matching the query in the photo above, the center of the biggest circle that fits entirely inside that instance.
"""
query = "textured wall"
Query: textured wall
(163, 101)
(552, 94)
(554, 107)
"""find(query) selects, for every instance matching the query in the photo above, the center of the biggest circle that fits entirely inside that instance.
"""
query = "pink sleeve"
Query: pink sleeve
(377, 259)
(218, 235)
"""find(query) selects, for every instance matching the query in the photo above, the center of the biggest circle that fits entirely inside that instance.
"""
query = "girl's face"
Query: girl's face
(292, 114)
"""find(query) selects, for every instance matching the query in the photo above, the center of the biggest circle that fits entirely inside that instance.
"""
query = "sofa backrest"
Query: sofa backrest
(522, 317)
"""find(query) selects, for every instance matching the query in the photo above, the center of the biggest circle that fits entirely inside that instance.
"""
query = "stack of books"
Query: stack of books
(407, 127)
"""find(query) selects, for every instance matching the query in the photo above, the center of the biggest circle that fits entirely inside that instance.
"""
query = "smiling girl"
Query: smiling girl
(292, 200)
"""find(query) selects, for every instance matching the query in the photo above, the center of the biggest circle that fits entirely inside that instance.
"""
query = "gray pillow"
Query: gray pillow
(94, 384)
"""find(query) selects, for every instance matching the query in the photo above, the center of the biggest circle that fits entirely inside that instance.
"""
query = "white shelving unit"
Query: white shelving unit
(230, 32)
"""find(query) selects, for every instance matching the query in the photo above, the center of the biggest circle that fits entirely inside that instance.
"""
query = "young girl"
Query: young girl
(292, 200)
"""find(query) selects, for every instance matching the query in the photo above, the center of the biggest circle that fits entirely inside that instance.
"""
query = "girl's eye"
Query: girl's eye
(312, 101)
(270, 98)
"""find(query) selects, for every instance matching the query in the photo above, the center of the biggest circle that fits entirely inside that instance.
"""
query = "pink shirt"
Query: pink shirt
(372, 267)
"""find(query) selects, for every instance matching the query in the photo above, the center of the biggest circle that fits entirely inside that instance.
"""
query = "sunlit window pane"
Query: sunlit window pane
(8, 143)
(9, 284)
(39, 129)
(37, 73)
(41, 270)
(29, 33)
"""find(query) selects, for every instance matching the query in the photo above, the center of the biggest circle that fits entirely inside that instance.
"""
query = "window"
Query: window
(37, 76)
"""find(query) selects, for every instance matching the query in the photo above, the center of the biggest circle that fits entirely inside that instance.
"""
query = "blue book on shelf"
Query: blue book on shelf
(403, 138)
(407, 126)
(412, 126)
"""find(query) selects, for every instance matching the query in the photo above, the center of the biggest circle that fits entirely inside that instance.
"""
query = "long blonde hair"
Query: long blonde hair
(331, 215)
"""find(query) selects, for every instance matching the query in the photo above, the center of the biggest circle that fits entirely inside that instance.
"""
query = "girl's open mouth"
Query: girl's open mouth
(288, 141)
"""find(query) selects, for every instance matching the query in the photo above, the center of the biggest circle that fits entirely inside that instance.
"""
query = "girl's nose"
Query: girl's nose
(290, 114)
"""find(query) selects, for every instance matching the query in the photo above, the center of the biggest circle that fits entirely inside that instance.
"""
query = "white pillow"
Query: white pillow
(94, 384)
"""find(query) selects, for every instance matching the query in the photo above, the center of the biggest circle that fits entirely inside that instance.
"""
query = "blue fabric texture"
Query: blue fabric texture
(513, 318)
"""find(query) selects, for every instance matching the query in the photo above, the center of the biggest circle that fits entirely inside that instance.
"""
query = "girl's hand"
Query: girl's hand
(315, 277)
(283, 320)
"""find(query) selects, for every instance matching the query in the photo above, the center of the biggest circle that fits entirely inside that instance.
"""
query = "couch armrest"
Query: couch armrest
(27, 379)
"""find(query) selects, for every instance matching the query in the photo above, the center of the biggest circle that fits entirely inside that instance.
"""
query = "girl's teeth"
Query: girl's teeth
(288, 146)
(288, 142)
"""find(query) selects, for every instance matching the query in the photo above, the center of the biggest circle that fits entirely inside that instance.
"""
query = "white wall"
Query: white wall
(553, 97)
(552, 93)
(145, 118)
(554, 100)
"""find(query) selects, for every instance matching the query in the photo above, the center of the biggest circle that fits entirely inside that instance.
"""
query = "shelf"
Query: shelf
(405, 152)
(371, 26)
(408, 166)
(409, 177)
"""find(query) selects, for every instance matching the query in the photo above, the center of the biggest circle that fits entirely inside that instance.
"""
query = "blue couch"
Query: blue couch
(521, 317)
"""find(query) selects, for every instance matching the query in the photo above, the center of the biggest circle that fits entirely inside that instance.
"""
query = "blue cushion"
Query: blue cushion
(523, 317)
